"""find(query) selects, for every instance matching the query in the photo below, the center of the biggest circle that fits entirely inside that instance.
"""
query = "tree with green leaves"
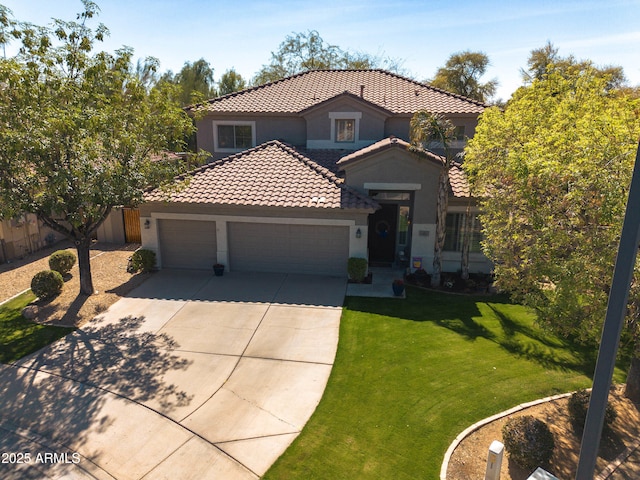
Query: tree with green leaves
(302, 51)
(547, 59)
(230, 82)
(429, 131)
(461, 74)
(195, 80)
(552, 171)
(80, 133)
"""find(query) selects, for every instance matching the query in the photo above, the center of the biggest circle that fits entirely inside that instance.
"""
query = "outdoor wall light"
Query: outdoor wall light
(147, 224)
(358, 233)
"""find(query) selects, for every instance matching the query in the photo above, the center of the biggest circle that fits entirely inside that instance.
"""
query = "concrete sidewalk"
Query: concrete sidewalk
(190, 376)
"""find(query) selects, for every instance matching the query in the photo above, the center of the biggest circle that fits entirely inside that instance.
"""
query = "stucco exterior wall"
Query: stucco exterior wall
(23, 235)
(290, 129)
(403, 169)
(370, 124)
(112, 229)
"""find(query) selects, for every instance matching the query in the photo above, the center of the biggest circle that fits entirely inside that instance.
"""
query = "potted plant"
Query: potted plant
(398, 287)
(218, 269)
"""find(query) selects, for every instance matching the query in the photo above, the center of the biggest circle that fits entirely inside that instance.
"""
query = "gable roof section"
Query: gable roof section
(459, 187)
(388, 91)
(270, 175)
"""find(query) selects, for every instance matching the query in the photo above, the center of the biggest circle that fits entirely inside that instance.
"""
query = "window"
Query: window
(458, 132)
(454, 235)
(234, 136)
(346, 130)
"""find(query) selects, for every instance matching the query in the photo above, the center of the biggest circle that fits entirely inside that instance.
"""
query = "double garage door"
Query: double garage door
(258, 247)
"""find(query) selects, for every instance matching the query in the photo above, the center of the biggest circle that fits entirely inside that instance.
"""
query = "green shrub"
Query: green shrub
(528, 441)
(578, 405)
(142, 260)
(62, 261)
(357, 268)
(47, 284)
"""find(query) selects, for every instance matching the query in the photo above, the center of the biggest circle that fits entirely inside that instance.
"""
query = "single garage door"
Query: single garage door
(267, 247)
(187, 244)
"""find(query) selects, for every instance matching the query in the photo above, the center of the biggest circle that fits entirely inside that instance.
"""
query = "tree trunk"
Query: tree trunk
(632, 390)
(443, 197)
(466, 242)
(84, 265)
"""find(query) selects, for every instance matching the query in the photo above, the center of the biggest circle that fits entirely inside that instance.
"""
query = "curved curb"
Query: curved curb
(482, 423)
(613, 466)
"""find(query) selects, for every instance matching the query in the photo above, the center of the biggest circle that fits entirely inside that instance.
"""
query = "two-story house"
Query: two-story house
(311, 170)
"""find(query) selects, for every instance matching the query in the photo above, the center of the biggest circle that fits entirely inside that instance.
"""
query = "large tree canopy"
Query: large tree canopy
(195, 80)
(553, 170)
(308, 51)
(461, 74)
(79, 132)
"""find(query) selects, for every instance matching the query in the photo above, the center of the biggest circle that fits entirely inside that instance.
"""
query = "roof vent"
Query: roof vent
(361, 91)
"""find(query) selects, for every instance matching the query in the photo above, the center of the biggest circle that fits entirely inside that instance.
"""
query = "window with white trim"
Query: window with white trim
(346, 130)
(345, 126)
(232, 136)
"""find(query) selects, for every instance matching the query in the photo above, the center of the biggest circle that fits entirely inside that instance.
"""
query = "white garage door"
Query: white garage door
(187, 244)
(265, 247)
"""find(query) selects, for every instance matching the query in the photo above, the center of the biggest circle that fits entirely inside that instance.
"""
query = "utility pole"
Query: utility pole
(612, 329)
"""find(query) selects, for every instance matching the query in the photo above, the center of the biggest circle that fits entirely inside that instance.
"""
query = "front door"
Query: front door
(383, 226)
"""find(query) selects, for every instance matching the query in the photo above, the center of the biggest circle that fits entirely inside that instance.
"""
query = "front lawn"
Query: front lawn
(410, 375)
(20, 337)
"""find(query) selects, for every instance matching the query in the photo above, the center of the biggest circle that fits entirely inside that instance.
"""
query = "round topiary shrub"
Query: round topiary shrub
(47, 284)
(578, 405)
(142, 260)
(62, 261)
(528, 441)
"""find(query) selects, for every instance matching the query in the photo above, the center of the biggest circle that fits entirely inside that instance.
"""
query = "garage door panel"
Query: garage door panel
(187, 244)
(288, 248)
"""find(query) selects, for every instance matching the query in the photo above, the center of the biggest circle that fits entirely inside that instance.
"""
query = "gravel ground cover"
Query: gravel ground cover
(70, 308)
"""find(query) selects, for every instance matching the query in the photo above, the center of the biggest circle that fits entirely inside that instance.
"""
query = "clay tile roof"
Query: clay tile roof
(272, 174)
(458, 181)
(391, 92)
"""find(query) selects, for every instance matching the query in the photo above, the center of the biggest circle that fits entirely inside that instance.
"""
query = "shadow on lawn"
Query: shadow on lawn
(70, 405)
(462, 314)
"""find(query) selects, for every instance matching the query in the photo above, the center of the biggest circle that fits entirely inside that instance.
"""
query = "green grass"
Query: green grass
(20, 337)
(410, 375)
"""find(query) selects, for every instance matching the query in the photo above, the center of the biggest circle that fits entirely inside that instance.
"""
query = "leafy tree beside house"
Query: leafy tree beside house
(80, 133)
(552, 171)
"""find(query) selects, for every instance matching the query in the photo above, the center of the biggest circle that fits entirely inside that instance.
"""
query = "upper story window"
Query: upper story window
(346, 130)
(345, 126)
(230, 136)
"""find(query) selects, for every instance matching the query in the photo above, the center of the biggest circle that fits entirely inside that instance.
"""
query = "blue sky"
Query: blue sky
(242, 34)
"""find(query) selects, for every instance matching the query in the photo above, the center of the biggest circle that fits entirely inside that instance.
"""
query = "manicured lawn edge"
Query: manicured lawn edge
(410, 375)
(20, 337)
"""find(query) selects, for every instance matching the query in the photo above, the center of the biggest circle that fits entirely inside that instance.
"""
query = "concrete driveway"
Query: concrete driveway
(190, 376)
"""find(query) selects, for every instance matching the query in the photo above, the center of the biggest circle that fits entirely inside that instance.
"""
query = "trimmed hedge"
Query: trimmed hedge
(357, 268)
(142, 260)
(62, 261)
(578, 405)
(47, 284)
(528, 441)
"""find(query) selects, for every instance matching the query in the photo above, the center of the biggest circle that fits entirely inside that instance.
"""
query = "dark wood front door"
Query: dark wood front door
(383, 226)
